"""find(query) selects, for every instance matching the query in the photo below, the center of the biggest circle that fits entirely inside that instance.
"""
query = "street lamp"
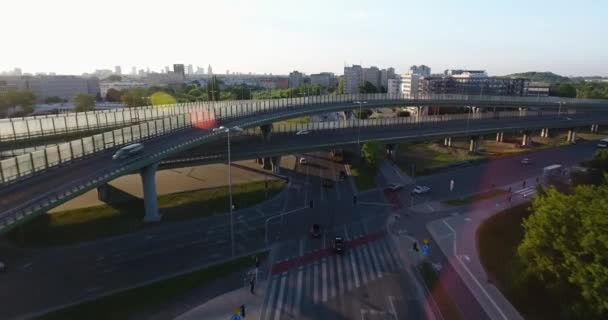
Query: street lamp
(230, 204)
(360, 103)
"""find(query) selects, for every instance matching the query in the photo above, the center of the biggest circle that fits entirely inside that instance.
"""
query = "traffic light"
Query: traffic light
(415, 246)
(310, 204)
(354, 199)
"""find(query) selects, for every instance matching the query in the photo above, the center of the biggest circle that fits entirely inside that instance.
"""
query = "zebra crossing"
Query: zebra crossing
(526, 192)
(301, 287)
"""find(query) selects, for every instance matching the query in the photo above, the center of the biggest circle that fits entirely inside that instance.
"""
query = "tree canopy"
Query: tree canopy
(53, 99)
(16, 98)
(340, 89)
(566, 246)
(84, 102)
(113, 95)
(368, 87)
(370, 152)
(134, 97)
(567, 90)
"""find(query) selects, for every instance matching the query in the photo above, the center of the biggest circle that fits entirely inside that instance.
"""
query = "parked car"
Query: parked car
(526, 161)
(328, 183)
(421, 190)
(315, 231)
(338, 245)
(128, 151)
(303, 161)
(2, 267)
(302, 132)
(393, 187)
(342, 175)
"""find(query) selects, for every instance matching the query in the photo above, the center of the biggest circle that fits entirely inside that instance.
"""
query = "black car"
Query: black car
(342, 175)
(315, 231)
(328, 183)
(338, 245)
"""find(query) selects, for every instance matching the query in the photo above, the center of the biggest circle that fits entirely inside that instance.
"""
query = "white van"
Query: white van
(128, 151)
(603, 143)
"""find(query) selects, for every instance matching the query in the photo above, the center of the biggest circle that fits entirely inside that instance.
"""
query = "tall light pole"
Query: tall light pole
(230, 204)
(360, 103)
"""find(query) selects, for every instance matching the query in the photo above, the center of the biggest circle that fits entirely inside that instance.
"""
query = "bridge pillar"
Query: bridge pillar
(447, 141)
(266, 131)
(595, 128)
(276, 164)
(571, 136)
(103, 193)
(526, 140)
(267, 163)
(474, 144)
(391, 149)
(148, 179)
(499, 136)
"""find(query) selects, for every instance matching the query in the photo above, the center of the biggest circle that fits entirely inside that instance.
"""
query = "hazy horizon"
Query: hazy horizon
(72, 37)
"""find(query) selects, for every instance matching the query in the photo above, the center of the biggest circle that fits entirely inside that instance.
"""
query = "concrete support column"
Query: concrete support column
(276, 164)
(595, 128)
(526, 140)
(267, 163)
(474, 144)
(148, 179)
(499, 136)
(266, 131)
(571, 136)
(545, 133)
(103, 193)
(447, 141)
(391, 150)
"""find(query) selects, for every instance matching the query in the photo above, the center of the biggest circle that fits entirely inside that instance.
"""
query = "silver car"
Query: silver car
(128, 151)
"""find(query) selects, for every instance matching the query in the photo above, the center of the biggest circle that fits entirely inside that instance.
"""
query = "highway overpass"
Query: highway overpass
(49, 188)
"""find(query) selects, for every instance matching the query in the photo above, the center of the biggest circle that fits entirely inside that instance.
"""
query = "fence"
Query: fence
(48, 125)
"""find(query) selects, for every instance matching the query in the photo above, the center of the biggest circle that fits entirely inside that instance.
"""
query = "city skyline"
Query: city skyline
(501, 38)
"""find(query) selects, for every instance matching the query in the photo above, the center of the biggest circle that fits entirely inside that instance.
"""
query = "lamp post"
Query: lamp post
(230, 204)
(360, 103)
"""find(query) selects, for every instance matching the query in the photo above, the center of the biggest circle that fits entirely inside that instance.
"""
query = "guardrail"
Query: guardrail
(39, 126)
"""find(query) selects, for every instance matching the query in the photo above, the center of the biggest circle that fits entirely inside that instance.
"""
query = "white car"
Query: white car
(128, 151)
(302, 132)
(421, 190)
(393, 187)
(303, 161)
(525, 161)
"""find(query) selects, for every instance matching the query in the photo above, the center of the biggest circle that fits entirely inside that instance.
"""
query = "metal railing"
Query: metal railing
(40, 126)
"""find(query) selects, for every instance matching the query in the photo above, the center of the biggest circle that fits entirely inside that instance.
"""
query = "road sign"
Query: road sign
(425, 241)
(425, 249)
(236, 317)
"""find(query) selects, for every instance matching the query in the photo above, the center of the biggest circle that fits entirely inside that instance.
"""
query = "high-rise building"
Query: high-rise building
(353, 78)
(421, 70)
(209, 70)
(473, 82)
(200, 70)
(65, 87)
(167, 70)
(385, 75)
(404, 84)
(117, 70)
(324, 79)
(227, 71)
(179, 69)
(133, 71)
(372, 75)
(190, 70)
(295, 79)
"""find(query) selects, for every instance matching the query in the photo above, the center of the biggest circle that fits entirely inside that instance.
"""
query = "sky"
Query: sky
(267, 36)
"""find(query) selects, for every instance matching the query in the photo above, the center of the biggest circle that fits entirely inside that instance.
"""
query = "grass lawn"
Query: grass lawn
(365, 177)
(476, 197)
(426, 158)
(151, 297)
(299, 120)
(92, 223)
(497, 241)
(449, 310)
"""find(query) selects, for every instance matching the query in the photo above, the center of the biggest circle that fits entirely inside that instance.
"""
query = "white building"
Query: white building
(404, 84)
(190, 70)
(209, 70)
(353, 78)
(117, 70)
(118, 85)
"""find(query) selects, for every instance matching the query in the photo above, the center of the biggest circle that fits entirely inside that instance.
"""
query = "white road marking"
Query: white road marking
(279, 308)
(325, 280)
(392, 305)
(316, 280)
(375, 260)
(362, 265)
(368, 262)
(351, 256)
(473, 276)
(340, 275)
(332, 275)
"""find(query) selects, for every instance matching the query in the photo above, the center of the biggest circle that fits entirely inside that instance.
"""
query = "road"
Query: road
(90, 269)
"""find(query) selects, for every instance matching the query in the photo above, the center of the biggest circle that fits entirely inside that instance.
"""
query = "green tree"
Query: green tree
(340, 88)
(370, 152)
(213, 89)
(195, 92)
(565, 245)
(53, 99)
(134, 98)
(113, 95)
(114, 77)
(566, 90)
(21, 98)
(368, 87)
(84, 102)
(403, 113)
(3, 104)
(599, 160)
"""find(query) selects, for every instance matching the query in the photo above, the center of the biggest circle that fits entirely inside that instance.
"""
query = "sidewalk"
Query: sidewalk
(456, 237)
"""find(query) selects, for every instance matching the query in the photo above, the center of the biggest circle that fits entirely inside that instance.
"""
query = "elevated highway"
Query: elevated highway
(36, 182)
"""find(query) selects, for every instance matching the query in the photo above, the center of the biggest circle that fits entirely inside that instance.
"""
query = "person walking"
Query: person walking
(252, 285)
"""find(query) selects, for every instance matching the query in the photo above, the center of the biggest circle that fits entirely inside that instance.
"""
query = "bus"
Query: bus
(337, 155)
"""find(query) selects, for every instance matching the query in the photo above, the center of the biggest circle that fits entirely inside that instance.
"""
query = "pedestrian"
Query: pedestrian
(523, 184)
(243, 311)
(257, 262)
(252, 285)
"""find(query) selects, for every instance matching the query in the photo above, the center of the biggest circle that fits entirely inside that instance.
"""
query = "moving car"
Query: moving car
(338, 245)
(603, 143)
(328, 183)
(303, 161)
(128, 151)
(315, 231)
(525, 161)
(421, 190)
(393, 187)
(302, 132)
(342, 175)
